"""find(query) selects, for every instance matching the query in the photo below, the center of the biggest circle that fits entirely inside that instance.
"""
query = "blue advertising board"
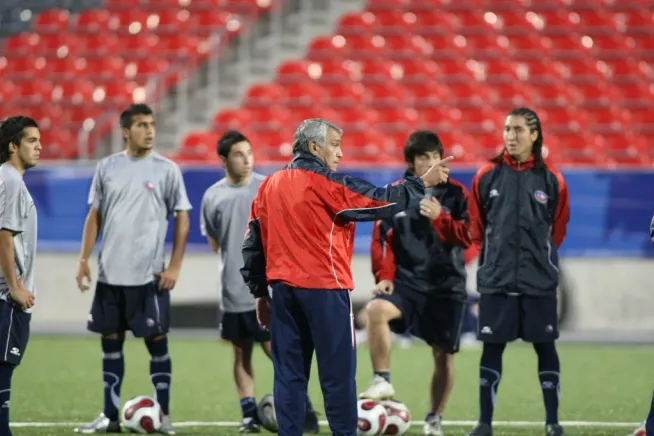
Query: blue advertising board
(610, 210)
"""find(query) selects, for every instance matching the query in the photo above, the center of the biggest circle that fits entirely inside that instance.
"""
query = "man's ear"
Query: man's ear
(313, 146)
(13, 147)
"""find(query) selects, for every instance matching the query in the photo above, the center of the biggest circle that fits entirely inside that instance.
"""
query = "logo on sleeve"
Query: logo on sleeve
(541, 197)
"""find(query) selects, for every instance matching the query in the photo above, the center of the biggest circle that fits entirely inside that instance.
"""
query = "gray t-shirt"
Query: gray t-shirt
(135, 198)
(18, 214)
(224, 216)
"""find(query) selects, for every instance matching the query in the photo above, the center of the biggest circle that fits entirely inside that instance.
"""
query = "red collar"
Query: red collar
(518, 166)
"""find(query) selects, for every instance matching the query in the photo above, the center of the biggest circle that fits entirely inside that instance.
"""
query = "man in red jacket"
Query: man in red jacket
(299, 240)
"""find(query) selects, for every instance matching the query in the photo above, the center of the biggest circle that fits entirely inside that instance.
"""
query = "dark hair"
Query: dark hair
(421, 142)
(533, 122)
(228, 139)
(127, 117)
(12, 131)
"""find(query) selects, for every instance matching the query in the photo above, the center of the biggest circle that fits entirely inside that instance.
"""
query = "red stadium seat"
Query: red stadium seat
(393, 22)
(356, 23)
(230, 119)
(294, 71)
(306, 94)
(376, 71)
(52, 20)
(198, 146)
(73, 92)
(263, 94)
(93, 20)
(433, 22)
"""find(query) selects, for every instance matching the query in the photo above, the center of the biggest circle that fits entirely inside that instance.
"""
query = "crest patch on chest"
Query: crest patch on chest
(149, 186)
(541, 197)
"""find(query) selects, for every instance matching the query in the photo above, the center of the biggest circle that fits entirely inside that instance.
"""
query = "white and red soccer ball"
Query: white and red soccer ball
(387, 417)
(398, 417)
(142, 414)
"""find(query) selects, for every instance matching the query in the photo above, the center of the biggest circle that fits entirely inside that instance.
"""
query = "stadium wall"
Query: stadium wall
(607, 258)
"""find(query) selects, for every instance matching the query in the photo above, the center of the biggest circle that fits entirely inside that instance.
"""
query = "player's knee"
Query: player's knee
(443, 359)
(156, 338)
(242, 351)
(381, 311)
(120, 336)
(545, 350)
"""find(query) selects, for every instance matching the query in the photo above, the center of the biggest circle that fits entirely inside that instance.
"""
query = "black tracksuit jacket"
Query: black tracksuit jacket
(519, 215)
(422, 255)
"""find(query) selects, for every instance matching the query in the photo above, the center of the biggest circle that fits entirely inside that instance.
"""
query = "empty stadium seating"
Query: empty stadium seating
(458, 66)
(69, 62)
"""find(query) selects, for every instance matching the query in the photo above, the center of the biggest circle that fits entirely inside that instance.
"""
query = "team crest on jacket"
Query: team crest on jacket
(540, 196)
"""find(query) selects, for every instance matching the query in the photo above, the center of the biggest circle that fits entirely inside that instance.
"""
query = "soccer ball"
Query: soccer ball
(372, 417)
(142, 414)
(266, 412)
(398, 417)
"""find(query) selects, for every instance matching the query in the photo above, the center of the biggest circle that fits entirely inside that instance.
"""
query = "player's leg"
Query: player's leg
(440, 323)
(539, 319)
(14, 335)
(234, 329)
(331, 320)
(147, 310)
(381, 312)
(292, 352)
(498, 325)
(262, 336)
(107, 318)
(244, 380)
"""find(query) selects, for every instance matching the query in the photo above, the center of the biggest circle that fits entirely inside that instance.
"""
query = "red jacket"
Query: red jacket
(301, 229)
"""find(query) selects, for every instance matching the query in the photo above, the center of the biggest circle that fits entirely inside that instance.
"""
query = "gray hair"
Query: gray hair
(312, 129)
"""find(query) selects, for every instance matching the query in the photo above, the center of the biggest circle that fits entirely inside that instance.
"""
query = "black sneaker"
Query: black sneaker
(311, 424)
(481, 429)
(553, 430)
(249, 425)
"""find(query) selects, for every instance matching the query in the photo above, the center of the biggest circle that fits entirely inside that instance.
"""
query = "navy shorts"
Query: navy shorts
(435, 319)
(14, 333)
(145, 310)
(242, 326)
(505, 318)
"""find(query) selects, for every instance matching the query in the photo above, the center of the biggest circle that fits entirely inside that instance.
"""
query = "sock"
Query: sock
(6, 371)
(386, 375)
(113, 370)
(160, 372)
(309, 404)
(649, 424)
(549, 375)
(249, 407)
(490, 373)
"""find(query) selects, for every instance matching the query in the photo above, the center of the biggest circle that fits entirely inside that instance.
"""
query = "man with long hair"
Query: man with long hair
(519, 211)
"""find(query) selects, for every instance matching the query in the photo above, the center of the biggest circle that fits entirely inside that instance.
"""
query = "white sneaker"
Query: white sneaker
(640, 431)
(379, 389)
(432, 425)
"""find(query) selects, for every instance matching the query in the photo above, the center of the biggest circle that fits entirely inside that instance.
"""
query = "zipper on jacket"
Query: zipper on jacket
(517, 221)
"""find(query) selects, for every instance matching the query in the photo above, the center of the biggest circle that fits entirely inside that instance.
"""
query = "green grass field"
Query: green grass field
(60, 382)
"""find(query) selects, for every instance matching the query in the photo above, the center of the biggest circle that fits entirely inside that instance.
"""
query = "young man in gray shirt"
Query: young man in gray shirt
(132, 197)
(224, 216)
(20, 145)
